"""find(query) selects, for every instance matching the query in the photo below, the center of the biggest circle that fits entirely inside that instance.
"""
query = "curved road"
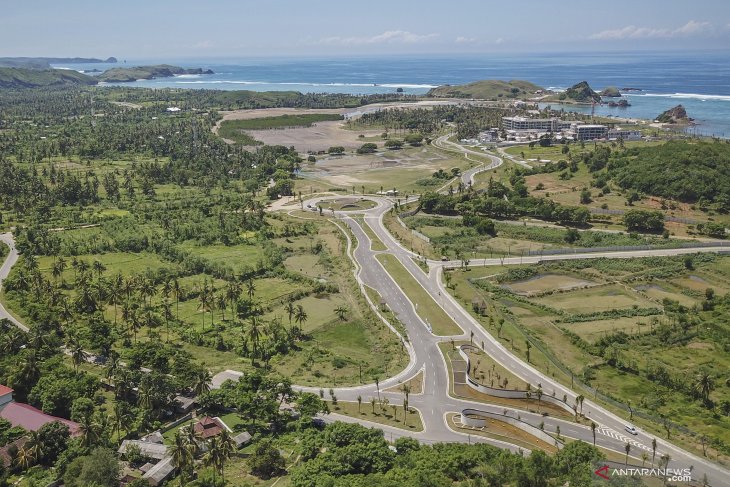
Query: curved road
(435, 402)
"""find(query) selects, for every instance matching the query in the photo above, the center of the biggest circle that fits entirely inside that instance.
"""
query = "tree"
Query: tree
(627, 449)
(593, 430)
(50, 441)
(100, 468)
(202, 382)
(290, 310)
(265, 461)
(359, 403)
(528, 346)
(367, 148)
(704, 384)
(585, 196)
(300, 317)
(341, 312)
(653, 451)
(538, 394)
(336, 150)
(182, 455)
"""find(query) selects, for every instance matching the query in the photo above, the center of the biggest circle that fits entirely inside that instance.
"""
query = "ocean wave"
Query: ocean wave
(362, 85)
(693, 96)
(187, 76)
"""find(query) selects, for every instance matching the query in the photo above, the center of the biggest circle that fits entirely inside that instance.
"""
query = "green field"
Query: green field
(649, 316)
(279, 122)
(426, 307)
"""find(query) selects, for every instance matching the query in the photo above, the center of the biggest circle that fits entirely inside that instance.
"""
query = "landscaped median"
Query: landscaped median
(427, 308)
(381, 412)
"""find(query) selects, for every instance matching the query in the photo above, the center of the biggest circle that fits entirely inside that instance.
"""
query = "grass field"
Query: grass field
(426, 307)
(280, 122)
(634, 285)
(546, 282)
(375, 243)
(381, 414)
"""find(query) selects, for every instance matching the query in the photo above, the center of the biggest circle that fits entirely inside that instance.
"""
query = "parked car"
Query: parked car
(632, 429)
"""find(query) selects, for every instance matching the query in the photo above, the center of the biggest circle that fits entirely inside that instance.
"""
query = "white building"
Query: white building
(625, 134)
(589, 131)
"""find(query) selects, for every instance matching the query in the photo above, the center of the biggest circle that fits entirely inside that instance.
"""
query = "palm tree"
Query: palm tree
(221, 302)
(147, 289)
(538, 394)
(579, 399)
(202, 382)
(99, 268)
(593, 430)
(704, 384)
(372, 403)
(644, 458)
(250, 289)
(178, 291)
(653, 451)
(341, 312)
(220, 449)
(627, 449)
(78, 354)
(182, 455)
(359, 403)
(114, 295)
(204, 301)
(112, 365)
(25, 458)
(167, 313)
(290, 310)
(254, 335)
(301, 316)
(89, 430)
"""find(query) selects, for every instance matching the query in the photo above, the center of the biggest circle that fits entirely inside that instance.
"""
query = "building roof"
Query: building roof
(209, 427)
(32, 419)
(5, 390)
(151, 450)
(241, 439)
(160, 472)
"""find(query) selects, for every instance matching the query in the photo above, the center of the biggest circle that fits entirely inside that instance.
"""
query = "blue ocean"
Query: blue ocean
(699, 80)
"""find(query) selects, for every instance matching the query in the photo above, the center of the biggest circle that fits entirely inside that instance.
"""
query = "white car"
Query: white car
(631, 429)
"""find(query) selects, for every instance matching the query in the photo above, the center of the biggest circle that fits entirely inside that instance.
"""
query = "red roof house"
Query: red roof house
(208, 427)
(26, 416)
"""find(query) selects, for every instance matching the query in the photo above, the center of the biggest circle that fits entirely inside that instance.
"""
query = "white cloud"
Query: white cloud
(465, 40)
(387, 37)
(499, 41)
(691, 28)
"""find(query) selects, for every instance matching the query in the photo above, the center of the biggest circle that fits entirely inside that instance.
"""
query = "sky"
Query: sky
(210, 29)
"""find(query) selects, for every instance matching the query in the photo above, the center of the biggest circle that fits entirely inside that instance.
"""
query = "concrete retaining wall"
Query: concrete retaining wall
(517, 423)
(507, 393)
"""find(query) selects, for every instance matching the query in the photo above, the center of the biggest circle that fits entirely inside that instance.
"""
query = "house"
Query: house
(26, 416)
(209, 427)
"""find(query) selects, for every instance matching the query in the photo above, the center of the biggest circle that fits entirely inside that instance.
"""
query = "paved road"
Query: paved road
(10, 260)
(435, 401)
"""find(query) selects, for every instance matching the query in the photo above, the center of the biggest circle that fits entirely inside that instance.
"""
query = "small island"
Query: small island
(490, 89)
(127, 75)
(580, 93)
(611, 92)
(675, 116)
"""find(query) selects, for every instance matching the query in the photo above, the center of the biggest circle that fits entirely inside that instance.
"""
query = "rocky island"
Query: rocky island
(126, 75)
(675, 116)
(490, 89)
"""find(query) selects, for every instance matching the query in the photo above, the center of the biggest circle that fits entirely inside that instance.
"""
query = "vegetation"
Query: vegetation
(279, 122)
(487, 90)
(123, 75)
(18, 78)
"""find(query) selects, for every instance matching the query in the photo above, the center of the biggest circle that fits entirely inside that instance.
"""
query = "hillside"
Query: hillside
(491, 89)
(677, 170)
(33, 78)
(124, 75)
(45, 62)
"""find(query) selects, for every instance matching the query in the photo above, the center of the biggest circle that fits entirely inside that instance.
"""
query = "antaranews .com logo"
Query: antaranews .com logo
(670, 474)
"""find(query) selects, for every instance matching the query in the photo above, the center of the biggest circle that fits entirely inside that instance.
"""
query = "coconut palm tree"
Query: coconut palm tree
(704, 384)
(114, 294)
(250, 289)
(593, 430)
(182, 455)
(25, 457)
(167, 314)
(221, 303)
(290, 310)
(341, 312)
(99, 268)
(178, 291)
(202, 382)
(653, 451)
(538, 394)
(300, 316)
(254, 336)
(78, 354)
(627, 449)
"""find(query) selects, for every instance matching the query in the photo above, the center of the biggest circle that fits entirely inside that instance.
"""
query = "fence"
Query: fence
(624, 248)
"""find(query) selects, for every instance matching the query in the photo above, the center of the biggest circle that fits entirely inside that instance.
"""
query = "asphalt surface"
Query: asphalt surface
(436, 402)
